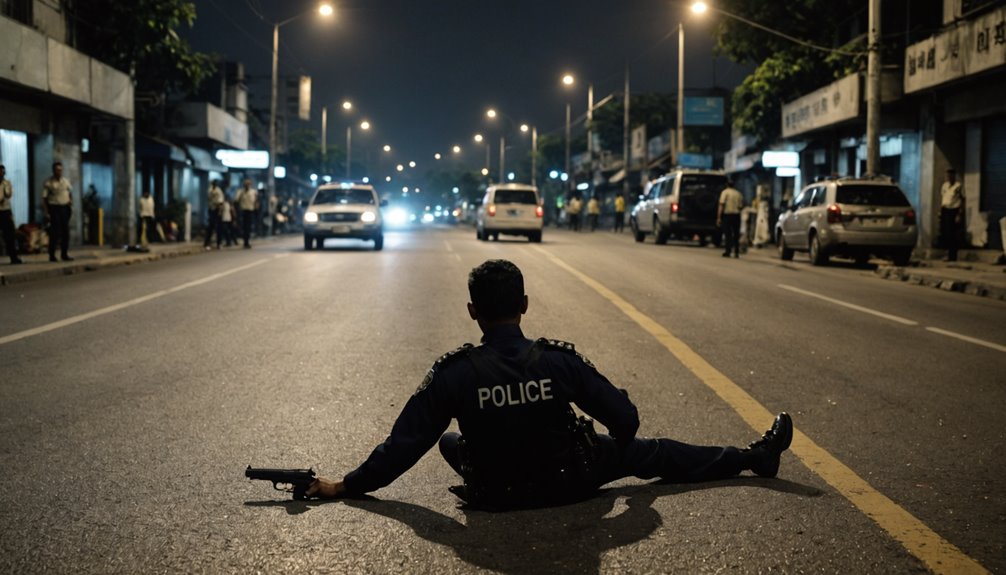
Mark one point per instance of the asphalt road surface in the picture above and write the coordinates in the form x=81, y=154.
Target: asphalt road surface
x=132, y=399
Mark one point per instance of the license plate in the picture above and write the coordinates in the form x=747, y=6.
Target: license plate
x=513, y=213
x=874, y=222
x=342, y=229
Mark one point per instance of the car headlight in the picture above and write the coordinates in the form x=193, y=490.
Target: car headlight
x=310, y=217
x=368, y=217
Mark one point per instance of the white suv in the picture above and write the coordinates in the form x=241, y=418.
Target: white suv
x=681, y=204
x=344, y=211
x=852, y=217
x=512, y=209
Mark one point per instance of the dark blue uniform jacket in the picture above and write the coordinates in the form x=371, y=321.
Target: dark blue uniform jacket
x=511, y=398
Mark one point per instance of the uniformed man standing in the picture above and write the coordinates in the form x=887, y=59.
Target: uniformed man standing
x=57, y=204
x=951, y=214
x=247, y=202
x=214, y=199
x=728, y=217
x=520, y=443
x=619, y=213
x=7, y=217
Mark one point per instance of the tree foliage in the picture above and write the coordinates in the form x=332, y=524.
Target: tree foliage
x=141, y=38
x=787, y=69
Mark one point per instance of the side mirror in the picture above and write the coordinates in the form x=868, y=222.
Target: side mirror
x=384, y=203
x=305, y=203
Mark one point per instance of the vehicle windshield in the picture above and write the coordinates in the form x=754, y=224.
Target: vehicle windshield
x=344, y=196
x=515, y=197
x=702, y=183
x=870, y=195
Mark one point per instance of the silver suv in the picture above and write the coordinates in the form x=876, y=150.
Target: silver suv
x=850, y=217
x=513, y=209
x=344, y=211
x=680, y=204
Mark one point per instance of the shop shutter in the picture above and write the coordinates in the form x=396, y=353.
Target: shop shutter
x=993, y=193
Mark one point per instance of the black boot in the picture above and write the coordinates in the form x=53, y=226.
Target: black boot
x=763, y=455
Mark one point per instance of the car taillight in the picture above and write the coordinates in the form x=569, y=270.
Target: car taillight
x=674, y=208
x=492, y=210
x=834, y=214
x=910, y=218
x=539, y=211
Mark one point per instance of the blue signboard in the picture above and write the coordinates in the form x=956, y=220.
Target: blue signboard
x=704, y=111
x=704, y=161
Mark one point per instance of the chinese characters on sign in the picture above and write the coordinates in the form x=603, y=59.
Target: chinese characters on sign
x=834, y=103
x=968, y=48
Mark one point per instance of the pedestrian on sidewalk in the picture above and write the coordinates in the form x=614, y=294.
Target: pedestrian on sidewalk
x=593, y=212
x=57, y=204
x=619, y=213
x=247, y=201
x=7, y=217
x=951, y=214
x=226, y=223
x=214, y=199
x=147, y=217
x=521, y=444
x=728, y=218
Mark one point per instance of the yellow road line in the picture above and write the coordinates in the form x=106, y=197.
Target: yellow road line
x=936, y=552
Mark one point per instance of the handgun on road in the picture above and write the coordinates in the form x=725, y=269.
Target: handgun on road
x=298, y=480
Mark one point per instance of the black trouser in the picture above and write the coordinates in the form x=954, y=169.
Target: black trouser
x=148, y=229
x=619, y=221
x=226, y=233
x=9, y=237
x=213, y=226
x=593, y=221
x=732, y=230
x=950, y=231
x=247, y=221
x=643, y=458
x=59, y=229
x=574, y=222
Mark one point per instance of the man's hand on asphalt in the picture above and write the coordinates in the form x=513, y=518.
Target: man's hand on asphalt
x=326, y=489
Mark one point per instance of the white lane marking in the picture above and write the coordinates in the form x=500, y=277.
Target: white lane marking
x=447, y=245
x=859, y=308
x=112, y=308
x=968, y=339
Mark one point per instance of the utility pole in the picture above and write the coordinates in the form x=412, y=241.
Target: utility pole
x=873, y=92
x=590, y=130
x=625, y=135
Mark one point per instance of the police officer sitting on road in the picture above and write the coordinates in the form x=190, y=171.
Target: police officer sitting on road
x=521, y=444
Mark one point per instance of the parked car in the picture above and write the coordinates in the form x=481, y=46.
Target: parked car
x=512, y=209
x=850, y=217
x=680, y=204
x=346, y=210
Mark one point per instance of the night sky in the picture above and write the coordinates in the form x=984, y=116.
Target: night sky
x=423, y=73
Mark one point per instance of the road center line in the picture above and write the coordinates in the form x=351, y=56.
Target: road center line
x=893, y=318
x=937, y=553
x=142, y=299
x=968, y=339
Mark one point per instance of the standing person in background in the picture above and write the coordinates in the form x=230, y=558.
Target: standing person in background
x=57, y=204
x=951, y=214
x=147, y=221
x=593, y=212
x=573, y=209
x=247, y=201
x=226, y=223
x=214, y=199
x=7, y=217
x=619, y=213
x=728, y=217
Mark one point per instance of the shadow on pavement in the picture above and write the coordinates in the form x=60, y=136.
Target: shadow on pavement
x=567, y=539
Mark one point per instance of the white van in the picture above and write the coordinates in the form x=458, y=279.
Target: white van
x=510, y=209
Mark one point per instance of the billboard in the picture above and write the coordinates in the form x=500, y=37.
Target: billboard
x=704, y=111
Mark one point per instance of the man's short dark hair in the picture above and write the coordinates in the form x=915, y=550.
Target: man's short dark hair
x=497, y=289
x=54, y=164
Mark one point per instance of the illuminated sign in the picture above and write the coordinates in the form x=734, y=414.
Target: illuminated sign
x=779, y=159
x=787, y=172
x=248, y=159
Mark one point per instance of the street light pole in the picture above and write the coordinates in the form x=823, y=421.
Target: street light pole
x=349, y=152
x=502, y=158
x=569, y=179
x=271, y=175
x=534, y=155
x=873, y=92
x=679, y=143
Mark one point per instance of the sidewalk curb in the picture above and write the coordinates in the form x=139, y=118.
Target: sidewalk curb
x=125, y=259
x=935, y=280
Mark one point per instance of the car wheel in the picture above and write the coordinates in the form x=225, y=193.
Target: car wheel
x=660, y=233
x=535, y=237
x=817, y=255
x=496, y=237
x=308, y=243
x=902, y=258
x=704, y=241
x=636, y=234
x=378, y=243
x=862, y=260
x=478, y=234
x=785, y=253
x=319, y=243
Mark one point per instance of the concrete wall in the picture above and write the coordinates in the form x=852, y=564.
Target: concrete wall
x=49, y=19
